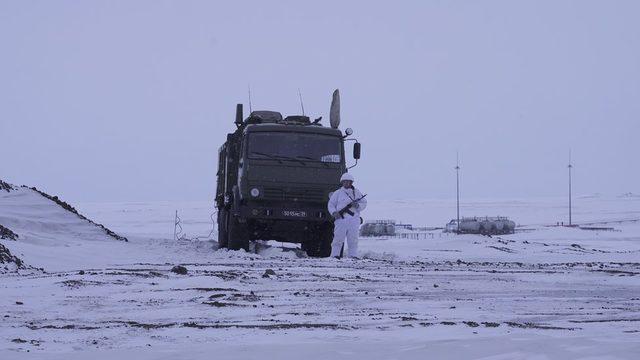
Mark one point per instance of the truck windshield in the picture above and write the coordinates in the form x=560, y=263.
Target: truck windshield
x=294, y=146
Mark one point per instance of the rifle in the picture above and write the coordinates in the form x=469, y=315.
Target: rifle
x=347, y=210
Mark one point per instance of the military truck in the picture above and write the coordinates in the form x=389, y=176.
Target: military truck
x=275, y=176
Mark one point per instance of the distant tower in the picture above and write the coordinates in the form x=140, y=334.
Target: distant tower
x=570, y=167
x=457, y=192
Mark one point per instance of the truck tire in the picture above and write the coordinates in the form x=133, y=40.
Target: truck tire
x=238, y=236
x=319, y=245
x=223, y=236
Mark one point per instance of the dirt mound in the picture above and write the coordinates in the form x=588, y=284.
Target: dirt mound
x=71, y=209
x=6, y=233
x=180, y=270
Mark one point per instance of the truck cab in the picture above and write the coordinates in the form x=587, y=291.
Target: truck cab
x=275, y=176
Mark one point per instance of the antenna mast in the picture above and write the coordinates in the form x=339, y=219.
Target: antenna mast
x=457, y=192
x=301, y=103
x=249, y=88
x=570, y=167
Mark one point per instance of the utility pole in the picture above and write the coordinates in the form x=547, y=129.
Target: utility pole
x=457, y=193
x=570, y=167
x=175, y=226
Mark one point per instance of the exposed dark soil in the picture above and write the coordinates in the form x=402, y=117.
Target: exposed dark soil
x=220, y=304
x=618, y=272
x=604, y=320
x=22, y=341
x=136, y=273
x=502, y=248
x=490, y=324
x=76, y=284
x=536, y=326
x=62, y=327
x=6, y=233
x=206, y=289
x=5, y=186
x=287, y=326
x=145, y=326
x=224, y=275
x=6, y=257
x=267, y=327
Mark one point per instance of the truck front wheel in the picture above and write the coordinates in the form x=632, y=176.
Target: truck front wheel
x=223, y=221
x=237, y=234
x=319, y=244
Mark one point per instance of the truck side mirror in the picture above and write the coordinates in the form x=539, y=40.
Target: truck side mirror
x=356, y=150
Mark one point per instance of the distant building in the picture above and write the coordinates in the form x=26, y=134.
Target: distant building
x=404, y=226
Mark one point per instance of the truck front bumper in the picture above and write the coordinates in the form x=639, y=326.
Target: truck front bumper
x=313, y=214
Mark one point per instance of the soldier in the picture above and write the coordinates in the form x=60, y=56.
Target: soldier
x=345, y=206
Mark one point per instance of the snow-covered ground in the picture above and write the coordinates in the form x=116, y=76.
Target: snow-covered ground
x=544, y=292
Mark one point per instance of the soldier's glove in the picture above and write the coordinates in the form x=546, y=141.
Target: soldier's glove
x=335, y=214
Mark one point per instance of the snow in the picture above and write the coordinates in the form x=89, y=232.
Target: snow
x=548, y=292
x=52, y=237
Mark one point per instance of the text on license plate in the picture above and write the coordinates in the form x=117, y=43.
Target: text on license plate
x=296, y=213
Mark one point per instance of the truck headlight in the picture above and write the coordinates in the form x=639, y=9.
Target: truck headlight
x=255, y=192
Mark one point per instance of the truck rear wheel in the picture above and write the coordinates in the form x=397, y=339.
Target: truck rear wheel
x=237, y=234
x=319, y=245
x=223, y=236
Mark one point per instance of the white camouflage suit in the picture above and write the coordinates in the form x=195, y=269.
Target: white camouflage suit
x=348, y=225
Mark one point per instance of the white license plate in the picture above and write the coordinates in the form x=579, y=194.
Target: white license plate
x=294, y=213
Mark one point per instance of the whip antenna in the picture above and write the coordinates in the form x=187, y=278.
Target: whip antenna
x=570, y=166
x=457, y=193
x=301, y=103
x=249, y=88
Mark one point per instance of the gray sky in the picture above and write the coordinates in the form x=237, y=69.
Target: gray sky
x=129, y=100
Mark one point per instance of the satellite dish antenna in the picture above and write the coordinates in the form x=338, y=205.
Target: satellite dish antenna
x=334, y=113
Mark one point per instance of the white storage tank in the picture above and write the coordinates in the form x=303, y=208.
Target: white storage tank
x=487, y=225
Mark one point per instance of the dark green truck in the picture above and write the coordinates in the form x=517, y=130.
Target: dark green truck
x=274, y=179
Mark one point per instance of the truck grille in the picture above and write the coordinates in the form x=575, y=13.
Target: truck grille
x=309, y=195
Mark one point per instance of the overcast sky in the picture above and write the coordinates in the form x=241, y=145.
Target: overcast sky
x=130, y=100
